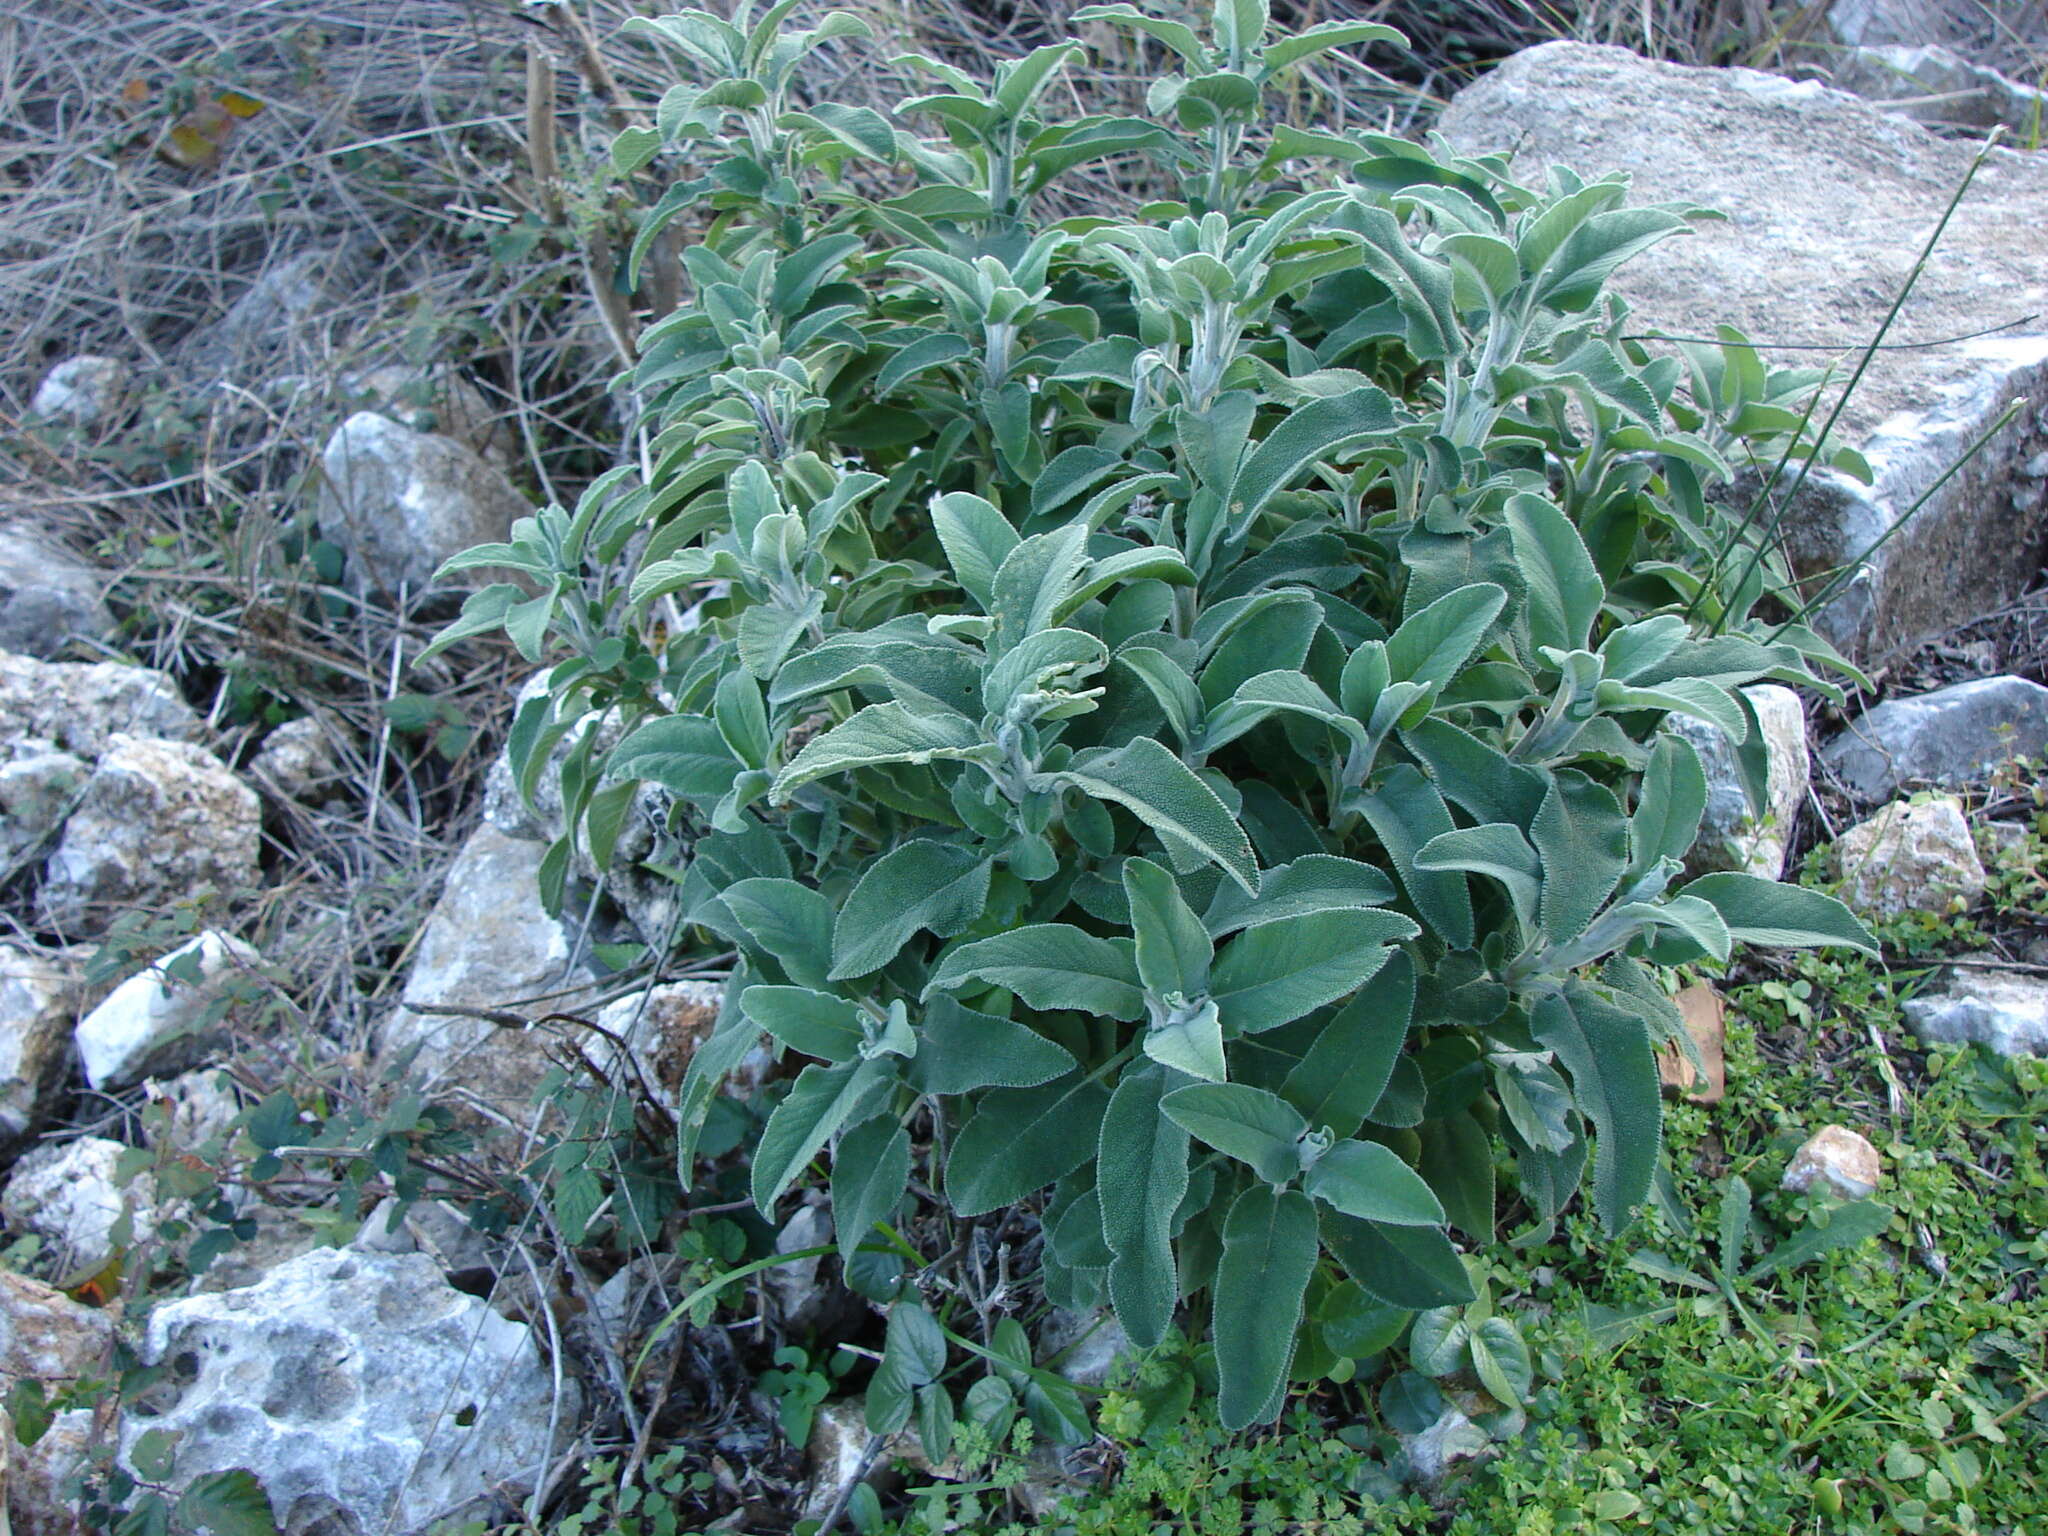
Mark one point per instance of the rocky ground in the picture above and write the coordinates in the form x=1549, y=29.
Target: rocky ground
x=315, y=1122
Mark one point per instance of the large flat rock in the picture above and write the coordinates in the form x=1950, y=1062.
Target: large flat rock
x=1829, y=201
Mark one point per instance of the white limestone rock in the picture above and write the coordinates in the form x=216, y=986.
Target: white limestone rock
x=400, y=502
x=83, y=391
x=1733, y=836
x=1953, y=736
x=45, y=1336
x=158, y=819
x=39, y=784
x=371, y=1395
x=660, y=1030
x=68, y=1193
x=1838, y=1158
x=77, y=706
x=298, y=761
x=488, y=943
x=1910, y=856
x=2004, y=1010
x=38, y=993
x=157, y=1021
x=433, y=400
x=1829, y=200
x=48, y=597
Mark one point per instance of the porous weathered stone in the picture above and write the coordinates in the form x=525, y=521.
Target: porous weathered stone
x=83, y=390
x=157, y=820
x=488, y=943
x=283, y=315
x=661, y=1029
x=438, y=400
x=298, y=760
x=645, y=899
x=48, y=597
x=38, y=993
x=2004, y=1010
x=161, y=1019
x=1734, y=835
x=48, y=1338
x=1936, y=86
x=1953, y=736
x=1838, y=1158
x=39, y=785
x=400, y=502
x=198, y=1108
x=76, y=706
x=432, y=1227
x=1829, y=201
x=1866, y=23
x=1084, y=1347
x=1909, y=857
x=372, y=1396
x=68, y=1194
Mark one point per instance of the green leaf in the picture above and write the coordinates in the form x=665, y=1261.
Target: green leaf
x=1033, y=579
x=1255, y=1127
x=1406, y=811
x=1143, y=1158
x=881, y=733
x=870, y=1171
x=1433, y=645
x=229, y=1503
x=1173, y=951
x=1310, y=41
x=1582, y=838
x=1759, y=911
x=1356, y=1324
x=788, y=922
x=1613, y=1069
x=1319, y=432
x=1847, y=1226
x=1498, y=851
x=977, y=540
x=1565, y=590
x=1670, y=800
x=1190, y=1040
x=1369, y=1181
x=1164, y=793
x=742, y=719
x=1277, y=972
x=1176, y=35
x=921, y=885
x=1050, y=965
x=814, y=1023
x=1457, y=1165
x=1342, y=1075
x=1269, y=1251
x=633, y=148
x=685, y=754
x=1571, y=279
x=1500, y=1359
x=1021, y=1139
x=823, y=1099
x=962, y=1051
x=1412, y=1267
x=913, y=1355
x=1316, y=882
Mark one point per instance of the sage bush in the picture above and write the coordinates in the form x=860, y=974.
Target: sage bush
x=1167, y=706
